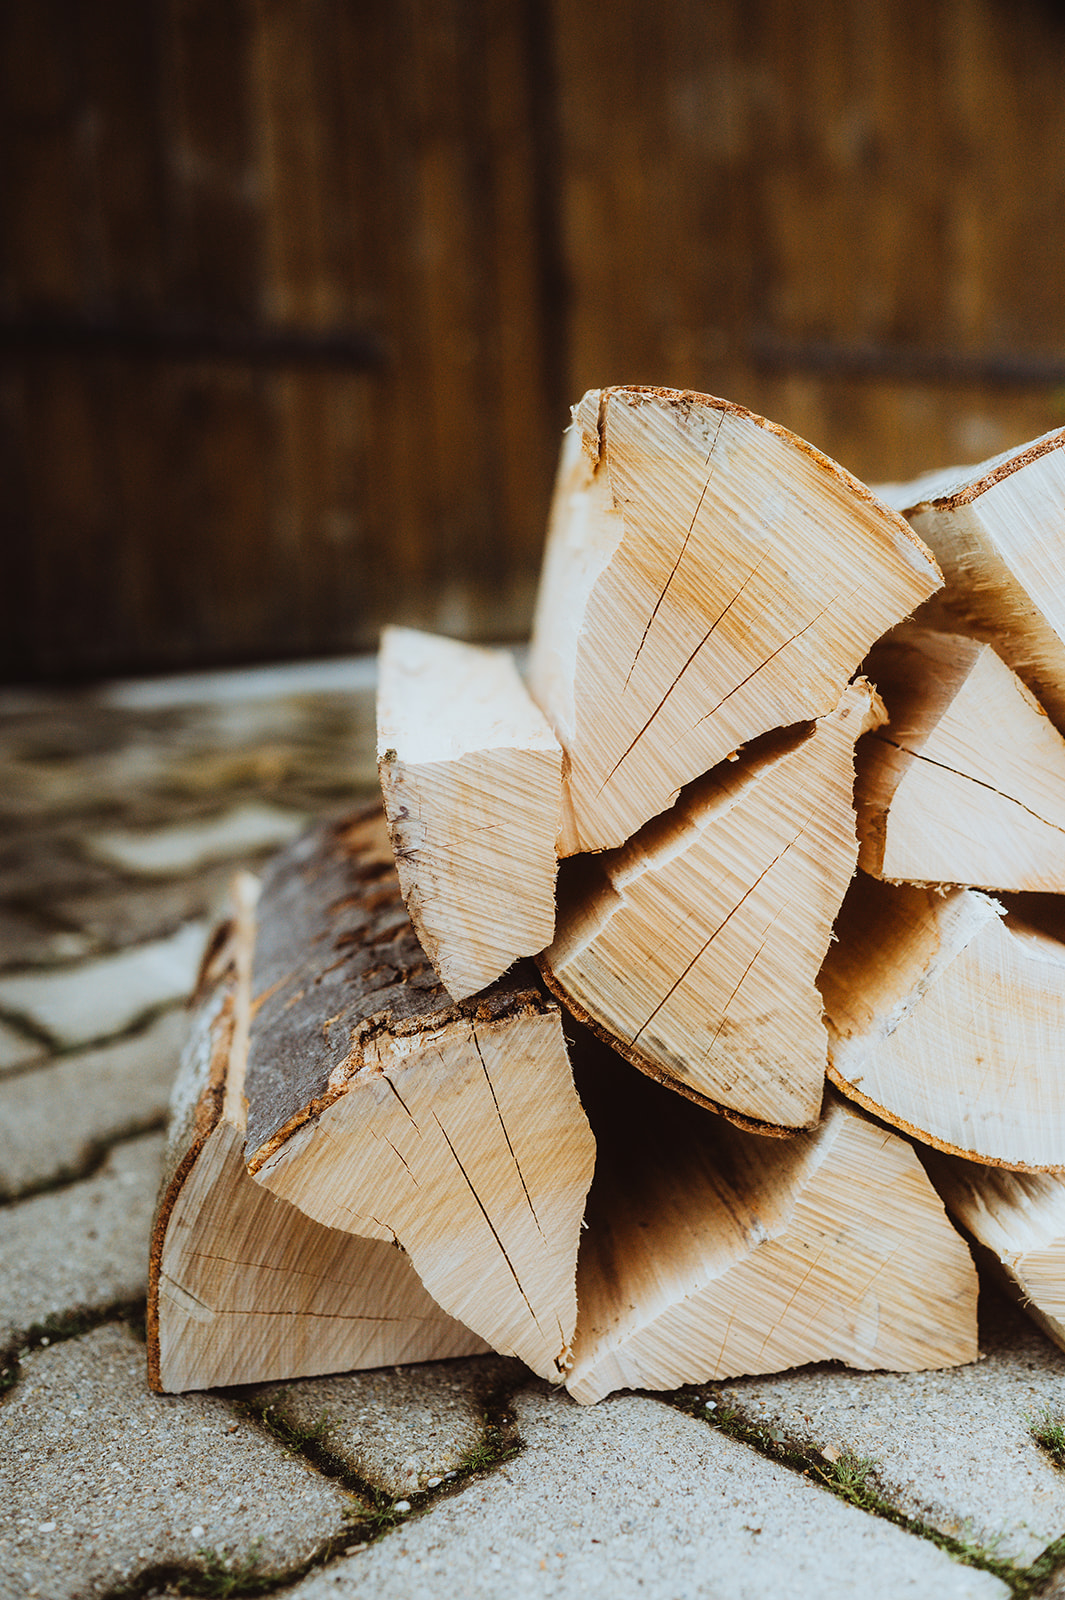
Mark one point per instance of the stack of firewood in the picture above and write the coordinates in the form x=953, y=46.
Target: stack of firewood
x=741, y=868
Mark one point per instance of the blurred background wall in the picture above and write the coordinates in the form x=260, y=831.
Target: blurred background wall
x=295, y=294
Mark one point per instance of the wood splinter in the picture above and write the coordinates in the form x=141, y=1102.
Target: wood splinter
x=381, y=1108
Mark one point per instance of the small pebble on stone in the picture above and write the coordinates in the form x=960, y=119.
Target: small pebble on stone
x=401, y=1505
x=431, y=1483
x=711, y=1405
x=46, y=1527
x=197, y=1532
x=830, y=1453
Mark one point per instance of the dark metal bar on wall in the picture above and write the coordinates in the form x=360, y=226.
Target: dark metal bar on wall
x=351, y=350
x=1001, y=369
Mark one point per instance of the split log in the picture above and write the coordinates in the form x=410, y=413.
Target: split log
x=708, y=577
x=711, y=1253
x=1019, y=1219
x=966, y=783
x=694, y=950
x=243, y=1287
x=471, y=775
x=946, y=1017
x=998, y=532
x=379, y=1107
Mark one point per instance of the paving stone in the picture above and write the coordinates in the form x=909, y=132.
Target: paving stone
x=28, y=940
x=19, y=1050
x=399, y=1426
x=130, y=913
x=168, y=852
x=82, y=1247
x=60, y=1115
x=952, y=1448
x=101, y=998
x=630, y=1496
x=104, y=1479
x=37, y=862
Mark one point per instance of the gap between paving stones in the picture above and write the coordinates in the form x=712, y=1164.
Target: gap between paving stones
x=853, y=1479
x=96, y=1154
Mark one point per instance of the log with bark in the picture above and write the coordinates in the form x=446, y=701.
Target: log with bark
x=243, y=1288
x=380, y=1107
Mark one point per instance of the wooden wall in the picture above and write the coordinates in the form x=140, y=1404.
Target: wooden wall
x=294, y=294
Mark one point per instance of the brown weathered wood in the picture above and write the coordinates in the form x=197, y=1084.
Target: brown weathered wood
x=946, y=1017
x=710, y=1252
x=243, y=1287
x=472, y=781
x=378, y=1106
x=694, y=949
x=708, y=577
x=966, y=783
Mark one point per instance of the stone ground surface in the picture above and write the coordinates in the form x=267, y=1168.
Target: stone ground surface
x=124, y=812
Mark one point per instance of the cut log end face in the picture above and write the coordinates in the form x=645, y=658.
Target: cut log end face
x=696, y=947
x=946, y=1017
x=710, y=1253
x=966, y=784
x=746, y=581
x=471, y=777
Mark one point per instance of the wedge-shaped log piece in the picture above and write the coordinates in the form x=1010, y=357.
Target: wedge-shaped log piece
x=694, y=949
x=946, y=1017
x=710, y=1252
x=379, y=1107
x=966, y=783
x=708, y=576
x=998, y=532
x=243, y=1287
x=472, y=781
x=1020, y=1218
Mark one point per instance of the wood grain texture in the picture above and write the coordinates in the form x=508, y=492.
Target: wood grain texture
x=381, y=1108
x=946, y=1017
x=710, y=1252
x=243, y=1287
x=708, y=577
x=694, y=949
x=472, y=781
x=966, y=783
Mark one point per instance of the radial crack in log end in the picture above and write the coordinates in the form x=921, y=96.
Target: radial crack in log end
x=695, y=948
x=243, y=1287
x=712, y=1253
x=966, y=783
x=454, y=1128
x=998, y=532
x=708, y=576
x=471, y=775
x=946, y=1016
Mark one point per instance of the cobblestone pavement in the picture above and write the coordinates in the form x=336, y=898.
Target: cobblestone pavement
x=124, y=812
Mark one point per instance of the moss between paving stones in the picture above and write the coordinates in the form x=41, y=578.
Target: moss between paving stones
x=853, y=1479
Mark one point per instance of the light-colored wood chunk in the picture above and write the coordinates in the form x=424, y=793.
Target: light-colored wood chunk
x=1020, y=1218
x=472, y=781
x=966, y=783
x=708, y=577
x=379, y=1107
x=694, y=949
x=711, y=1253
x=998, y=532
x=946, y=1017
x=243, y=1287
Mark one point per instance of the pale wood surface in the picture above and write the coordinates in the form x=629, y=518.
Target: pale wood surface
x=966, y=783
x=244, y=1288
x=946, y=1016
x=1020, y=1218
x=708, y=577
x=710, y=1252
x=471, y=775
x=454, y=1129
x=997, y=532
x=695, y=948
